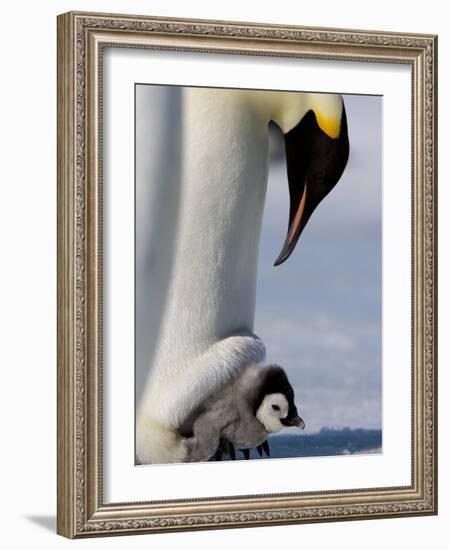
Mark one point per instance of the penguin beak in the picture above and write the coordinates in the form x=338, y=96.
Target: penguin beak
x=315, y=163
x=294, y=421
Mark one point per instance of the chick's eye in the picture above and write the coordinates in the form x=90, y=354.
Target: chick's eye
x=275, y=407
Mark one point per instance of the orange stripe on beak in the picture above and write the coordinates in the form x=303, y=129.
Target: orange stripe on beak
x=298, y=216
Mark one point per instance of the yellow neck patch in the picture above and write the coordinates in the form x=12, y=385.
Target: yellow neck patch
x=329, y=125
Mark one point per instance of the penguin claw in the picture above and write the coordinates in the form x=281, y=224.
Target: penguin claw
x=266, y=447
x=245, y=453
x=259, y=450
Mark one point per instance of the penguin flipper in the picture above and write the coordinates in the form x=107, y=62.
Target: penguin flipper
x=225, y=447
x=266, y=447
x=231, y=451
x=245, y=453
x=218, y=454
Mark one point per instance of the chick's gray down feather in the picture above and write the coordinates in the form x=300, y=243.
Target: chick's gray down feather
x=231, y=413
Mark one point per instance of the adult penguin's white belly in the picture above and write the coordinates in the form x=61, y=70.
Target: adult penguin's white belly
x=205, y=334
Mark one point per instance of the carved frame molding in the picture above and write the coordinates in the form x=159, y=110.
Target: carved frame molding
x=81, y=37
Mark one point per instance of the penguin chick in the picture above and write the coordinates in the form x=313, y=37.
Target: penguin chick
x=259, y=402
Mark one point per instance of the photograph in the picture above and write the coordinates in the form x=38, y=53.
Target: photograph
x=258, y=274
x=246, y=274
x=222, y=255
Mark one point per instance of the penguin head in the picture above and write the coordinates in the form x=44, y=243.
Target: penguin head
x=275, y=406
x=271, y=412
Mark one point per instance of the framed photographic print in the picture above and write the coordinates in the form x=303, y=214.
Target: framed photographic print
x=246, y=274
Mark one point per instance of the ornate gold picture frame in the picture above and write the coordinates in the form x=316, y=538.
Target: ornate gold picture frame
x=82, y=508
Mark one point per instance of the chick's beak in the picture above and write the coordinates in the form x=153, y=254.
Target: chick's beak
x=294, y=421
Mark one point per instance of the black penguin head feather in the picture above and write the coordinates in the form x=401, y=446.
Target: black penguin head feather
x=276, y=381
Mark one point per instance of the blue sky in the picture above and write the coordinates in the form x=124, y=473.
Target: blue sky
x=319, y=313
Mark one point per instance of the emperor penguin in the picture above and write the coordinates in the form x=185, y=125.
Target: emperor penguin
x=205, y=335
x=258, y=403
